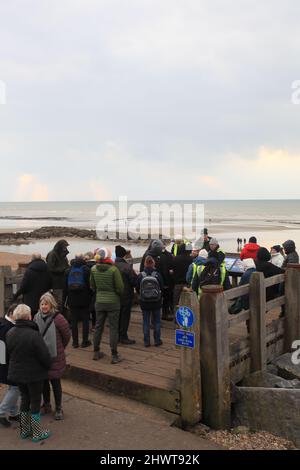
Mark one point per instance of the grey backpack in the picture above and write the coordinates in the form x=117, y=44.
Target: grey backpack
x=150, y=290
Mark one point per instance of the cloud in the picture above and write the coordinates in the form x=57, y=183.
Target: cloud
x=30, y=189
x=210, y=181
x=97, y=191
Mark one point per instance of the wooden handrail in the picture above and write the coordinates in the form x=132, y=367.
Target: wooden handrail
x=236, y=292
x=272, y=281
x=239, y=318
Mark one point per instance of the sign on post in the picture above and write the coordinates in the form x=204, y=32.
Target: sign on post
x=185, y=319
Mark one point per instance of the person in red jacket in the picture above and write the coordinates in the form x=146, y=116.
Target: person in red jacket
x=250, y=249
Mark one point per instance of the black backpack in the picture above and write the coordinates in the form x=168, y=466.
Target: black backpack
x=150, y=290
x=210, y=275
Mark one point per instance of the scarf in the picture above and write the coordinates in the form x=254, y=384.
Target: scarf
x=50, y=336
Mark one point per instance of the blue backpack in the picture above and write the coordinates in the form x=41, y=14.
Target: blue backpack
x=76, y=278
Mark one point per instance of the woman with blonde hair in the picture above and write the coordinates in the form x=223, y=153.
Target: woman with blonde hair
x=29, y=361
x=55, y=331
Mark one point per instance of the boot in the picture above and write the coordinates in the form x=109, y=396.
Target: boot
x=25, y=427
x=46, y=408
x=38, y=434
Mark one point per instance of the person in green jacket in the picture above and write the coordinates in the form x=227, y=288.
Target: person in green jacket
x=106, y=281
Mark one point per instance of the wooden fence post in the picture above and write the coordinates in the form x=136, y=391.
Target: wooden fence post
x=292, y=306
x=2, y=293
x=190, y=374
x=257, y=301
x=215, y=371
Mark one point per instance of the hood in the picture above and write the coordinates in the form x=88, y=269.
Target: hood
x=155, y=252
x=263, y=254
x=61, y=247
x=289, y=246
x=252, y=247
x=102, y=267
x=200, y=260
x=212, y=261
x=26, y=324
x=78, y=262
x=38, y=265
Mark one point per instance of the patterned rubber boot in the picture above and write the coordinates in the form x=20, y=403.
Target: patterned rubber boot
x=38, y=434
x=25, y=427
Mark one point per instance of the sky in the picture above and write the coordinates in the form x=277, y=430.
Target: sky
x=151, y=99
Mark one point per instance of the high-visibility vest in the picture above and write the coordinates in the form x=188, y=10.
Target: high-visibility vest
x=223, y=275
x=175, y=246
x=195, y=266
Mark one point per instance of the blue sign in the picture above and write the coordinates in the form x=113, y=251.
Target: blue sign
x=185, y=317
x=185, y=339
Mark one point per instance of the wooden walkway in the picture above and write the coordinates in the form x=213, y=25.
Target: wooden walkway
x=150, y=375
x=145, y=374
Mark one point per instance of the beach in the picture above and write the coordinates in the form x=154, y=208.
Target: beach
x=271, y=222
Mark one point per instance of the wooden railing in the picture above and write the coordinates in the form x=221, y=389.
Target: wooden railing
x=223, y=363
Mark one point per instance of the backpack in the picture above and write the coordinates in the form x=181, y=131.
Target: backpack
x=76, y=278
x=150, y=289
x=209, y=275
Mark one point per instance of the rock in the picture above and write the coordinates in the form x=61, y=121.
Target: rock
x=272, y=369
x=199, y=429
x=241, y=430
x=270, y=409
x=265, y=379
x=286, y=368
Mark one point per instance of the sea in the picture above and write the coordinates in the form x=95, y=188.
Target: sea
x=271, y=221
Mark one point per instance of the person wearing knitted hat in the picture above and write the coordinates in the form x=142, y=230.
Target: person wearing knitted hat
x=214, y=250
x=276, y=256
x=268, y=269
x=129, y=279
x=106, y=281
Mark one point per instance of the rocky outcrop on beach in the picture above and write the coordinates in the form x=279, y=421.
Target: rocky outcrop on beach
x=62, y=232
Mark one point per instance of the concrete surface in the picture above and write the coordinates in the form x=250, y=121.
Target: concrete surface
x=100, y=421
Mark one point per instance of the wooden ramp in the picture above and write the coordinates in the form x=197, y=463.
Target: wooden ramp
x=145, y=374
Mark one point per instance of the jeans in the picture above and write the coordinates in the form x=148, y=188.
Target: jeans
x=31, y=395
x=113, y=313
x=146, y=325
x=9, y=405
x=57, y=392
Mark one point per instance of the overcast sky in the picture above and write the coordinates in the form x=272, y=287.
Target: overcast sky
x=152, y=99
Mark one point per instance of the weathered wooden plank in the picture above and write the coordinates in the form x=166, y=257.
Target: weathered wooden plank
x=166, y=398
x=236, y=292
x=274, y=303
x=239, y=318
x=215, y=369
x=272, y=281
x=292, y=306
x=257, y=322
x=190, y=375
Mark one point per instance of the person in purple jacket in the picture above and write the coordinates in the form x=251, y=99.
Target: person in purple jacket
x=56, y=333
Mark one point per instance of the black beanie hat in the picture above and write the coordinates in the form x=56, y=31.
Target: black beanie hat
x=120, y=251
x=263, y=254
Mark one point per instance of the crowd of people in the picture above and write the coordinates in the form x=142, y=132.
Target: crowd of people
x=56, y=295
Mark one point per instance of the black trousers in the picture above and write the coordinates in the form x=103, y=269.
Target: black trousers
x=77, y=315
x=31, y=395
x=125, y=313
x=57, y=392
